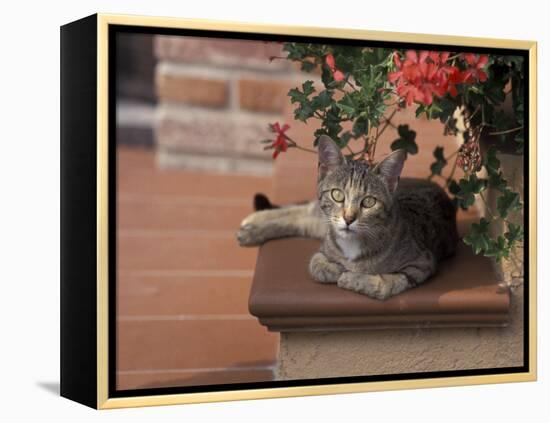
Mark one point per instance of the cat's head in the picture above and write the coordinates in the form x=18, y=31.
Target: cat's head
x=356, y=198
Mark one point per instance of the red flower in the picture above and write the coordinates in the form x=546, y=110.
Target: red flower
x=475, y=70
x=338, y=75
x=329, y=60
x=280, y=143
x=454, y=77
x=423, y=75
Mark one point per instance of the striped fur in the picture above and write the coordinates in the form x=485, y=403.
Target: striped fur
x=385, y=235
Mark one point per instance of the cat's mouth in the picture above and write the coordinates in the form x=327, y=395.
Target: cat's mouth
x=346, y=230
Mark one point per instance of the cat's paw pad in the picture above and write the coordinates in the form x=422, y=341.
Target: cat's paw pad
x=249, y=236
x=373, y=286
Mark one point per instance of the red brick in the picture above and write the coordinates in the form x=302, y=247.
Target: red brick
x=267, y=95
x=221, y=52
x=191, y=89
x=213, y=132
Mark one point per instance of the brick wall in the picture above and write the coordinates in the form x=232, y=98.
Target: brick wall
x=215, y=100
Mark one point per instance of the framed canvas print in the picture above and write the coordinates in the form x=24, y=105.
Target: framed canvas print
x=254, y=211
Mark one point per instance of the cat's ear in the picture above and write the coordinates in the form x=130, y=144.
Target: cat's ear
x=390, y=168
x=330, y=156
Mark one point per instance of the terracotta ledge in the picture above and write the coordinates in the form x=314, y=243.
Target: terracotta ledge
x=464, y=293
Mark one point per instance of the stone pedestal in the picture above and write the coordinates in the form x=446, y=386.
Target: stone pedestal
x=304, y=355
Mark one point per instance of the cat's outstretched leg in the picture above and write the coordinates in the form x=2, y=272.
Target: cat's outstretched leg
x=291, y=221
x=323, y=270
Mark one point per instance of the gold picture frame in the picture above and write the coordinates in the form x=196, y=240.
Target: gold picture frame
x=98, y=26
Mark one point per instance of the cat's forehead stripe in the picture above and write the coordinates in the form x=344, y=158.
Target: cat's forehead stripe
x=357, y=176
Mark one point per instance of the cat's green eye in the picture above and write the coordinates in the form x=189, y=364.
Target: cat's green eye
x=368, y=202
x=337, y=195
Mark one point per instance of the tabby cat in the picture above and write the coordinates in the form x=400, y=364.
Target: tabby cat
x=380, y=235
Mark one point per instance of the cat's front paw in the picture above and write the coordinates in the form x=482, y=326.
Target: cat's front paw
x=370, y=285
x=323, y=270
x=249, y=236
x=374, y=286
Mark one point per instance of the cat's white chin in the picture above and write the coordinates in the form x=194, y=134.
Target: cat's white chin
x=346, y=232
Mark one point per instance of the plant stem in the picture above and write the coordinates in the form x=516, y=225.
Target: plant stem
x=388, y=122
x=351, y=85
x=506, y=131
x=450, y=177
x=374, y=143
x=350, y=150
x=272, y=58
x=473, y=114
x=296, y=146
x=487, y=208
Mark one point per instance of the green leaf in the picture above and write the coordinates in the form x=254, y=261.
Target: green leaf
x=508, y=202
x=331, y=122
x=514, y=233
x=445, y=110
x=343, y=140
x=478, y=237
x=305, y=109
x=326, y=76
x=473, y=184
x=498, y=249
x=490, y=161
x=454, y=188
x=360, y=127
x=304, y=112
x=307, y=66
x=322, y=101
x=297, y=96
x=497, y=181
x=406, y=140
x=466, y=189
x=440, y=161
x=308, y=88
x=347, y=105
x=492, y=165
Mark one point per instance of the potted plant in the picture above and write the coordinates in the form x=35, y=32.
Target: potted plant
x=478, y=98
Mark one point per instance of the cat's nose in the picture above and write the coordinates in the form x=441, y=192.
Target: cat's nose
x=349, y=219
